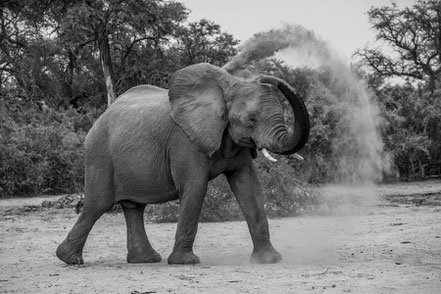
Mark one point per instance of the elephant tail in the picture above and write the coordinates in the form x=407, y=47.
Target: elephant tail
x=79, y=205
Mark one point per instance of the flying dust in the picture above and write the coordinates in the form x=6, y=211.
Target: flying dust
x=358, y=146
x=357, y=149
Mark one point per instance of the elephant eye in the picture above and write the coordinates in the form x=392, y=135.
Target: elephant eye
x=252, y=120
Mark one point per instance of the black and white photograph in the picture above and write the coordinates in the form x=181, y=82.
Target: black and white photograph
x=220, y=146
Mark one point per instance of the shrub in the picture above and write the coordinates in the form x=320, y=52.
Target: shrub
x=284, y=196
x=219, y=205
x=40, y=153
x=284, y=193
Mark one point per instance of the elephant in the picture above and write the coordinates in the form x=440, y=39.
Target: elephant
x=154, y=145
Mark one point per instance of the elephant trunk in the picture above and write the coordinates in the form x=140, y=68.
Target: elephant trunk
x=290, y=142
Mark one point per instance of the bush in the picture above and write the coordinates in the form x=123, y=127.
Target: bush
x=40, y=152
x=219, y=205
x=41, y=159
x=412, y=130
x=284, y=196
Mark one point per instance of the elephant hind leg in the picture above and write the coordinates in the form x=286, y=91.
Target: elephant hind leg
x=71, y=249
x=98, y=200
x=138, y=246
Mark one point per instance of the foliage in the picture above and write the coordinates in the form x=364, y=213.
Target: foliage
x=56, y=51
x=203, y=41
x=412, y=111
x=219, y=205
x=284, y=196
x=413, y=35
x=40, y=151
x=411, y=130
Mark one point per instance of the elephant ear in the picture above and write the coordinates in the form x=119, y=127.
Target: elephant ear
x=198, y=105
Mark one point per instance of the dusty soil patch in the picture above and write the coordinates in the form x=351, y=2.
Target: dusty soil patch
x=390, y=245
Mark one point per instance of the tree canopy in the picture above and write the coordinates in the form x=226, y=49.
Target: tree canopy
x=413, y=35
x=70, y=53
x=411, y=111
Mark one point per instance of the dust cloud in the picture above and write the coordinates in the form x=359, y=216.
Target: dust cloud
x=358, y=148
x=358, y=145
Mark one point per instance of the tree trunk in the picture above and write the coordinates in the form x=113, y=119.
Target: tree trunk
x=69, y=74
x=106, y=63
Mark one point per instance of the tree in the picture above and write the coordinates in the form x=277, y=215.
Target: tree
x=32, y=62
x=411, y=112
x=152, y=60
x=414, y=37
x=71, y=53
x=107, y=23
x=27, y=62
x=203, y=41
x=405, y=112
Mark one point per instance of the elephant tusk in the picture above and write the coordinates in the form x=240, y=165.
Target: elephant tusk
x=268, y=156
x=298, y=157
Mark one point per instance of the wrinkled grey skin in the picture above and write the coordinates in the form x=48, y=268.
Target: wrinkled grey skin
x=154, y=145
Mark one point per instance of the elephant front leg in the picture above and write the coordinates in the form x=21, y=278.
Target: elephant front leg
x=246, y=187
x=191, y=205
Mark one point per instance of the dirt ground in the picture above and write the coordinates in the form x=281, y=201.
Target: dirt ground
x=357, y=243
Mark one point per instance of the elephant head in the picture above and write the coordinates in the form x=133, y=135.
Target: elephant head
x=206, y=100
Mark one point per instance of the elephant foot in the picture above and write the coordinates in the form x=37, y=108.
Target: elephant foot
x=150, y=256
x=69, y=254
x=185, y=257
x=265, y=254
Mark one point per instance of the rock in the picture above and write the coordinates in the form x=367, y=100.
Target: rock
x=58, y=205
x=47, y=204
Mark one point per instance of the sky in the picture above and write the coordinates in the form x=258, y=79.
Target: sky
x=343, y=24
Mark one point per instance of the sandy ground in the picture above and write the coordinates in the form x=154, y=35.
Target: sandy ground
x=357, y=246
